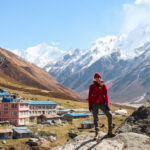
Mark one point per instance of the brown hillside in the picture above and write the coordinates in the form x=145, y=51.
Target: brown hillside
x=21, y=72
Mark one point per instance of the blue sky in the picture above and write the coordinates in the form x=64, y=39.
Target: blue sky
x=62, y=23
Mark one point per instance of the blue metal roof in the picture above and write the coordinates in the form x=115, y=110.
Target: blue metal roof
x=2, y=94
x=77, y=114
x=87, y=122
x=40, y=102
x=3, y=91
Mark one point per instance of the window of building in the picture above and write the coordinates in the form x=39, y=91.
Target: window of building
x=21, y=120
x=5, y=108
x=14, y=105
x=5, y=112
x=39, y=112
x=5, y=105
x=26, y=105
x=21, y=105
x=15, y=113
x=11, y=113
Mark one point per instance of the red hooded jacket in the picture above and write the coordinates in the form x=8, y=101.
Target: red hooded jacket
x=98, y=94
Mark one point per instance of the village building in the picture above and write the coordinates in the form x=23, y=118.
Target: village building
x=48, y=118
x=87, y=124
x=6, y=134
x=67, y=117
x=22, y=132
x=61, y=112
x=16, y=113
x=76, y=115
x=70, y=116
x=37, y=108
x=3, y=93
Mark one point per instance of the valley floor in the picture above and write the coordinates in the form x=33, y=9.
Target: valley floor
x=61, y=130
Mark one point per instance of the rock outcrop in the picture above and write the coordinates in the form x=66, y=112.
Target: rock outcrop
x=133, y=134
x=138, y=122
x=123, y=141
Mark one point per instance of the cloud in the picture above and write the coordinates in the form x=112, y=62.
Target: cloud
x=135, y=26
x=40, y=54
x=139, y=2
x=135, y=16
x=55, y=43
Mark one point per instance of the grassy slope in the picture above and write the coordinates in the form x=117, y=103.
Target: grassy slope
x=21, y=75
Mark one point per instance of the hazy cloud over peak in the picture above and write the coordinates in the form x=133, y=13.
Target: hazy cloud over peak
x=135, y=16
x=40, y=54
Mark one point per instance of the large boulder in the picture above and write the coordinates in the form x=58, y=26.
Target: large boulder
x=128, y=140
x=138, y=122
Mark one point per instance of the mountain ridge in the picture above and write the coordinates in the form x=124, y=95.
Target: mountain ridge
x=25, y=73
x=116, y=71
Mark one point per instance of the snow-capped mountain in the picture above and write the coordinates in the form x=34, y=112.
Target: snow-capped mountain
x=127, y=79
x=112, y=56
x=134, y=84
x=127, y=45
x=117, y=58
x=40, y=54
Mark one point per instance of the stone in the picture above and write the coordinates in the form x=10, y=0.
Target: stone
x=52, y=138
x=3, y=142
x=72, y=134
x=42, y=139
x=31, y=143
x=138, y=121
x=128, y=140
x=33, y=140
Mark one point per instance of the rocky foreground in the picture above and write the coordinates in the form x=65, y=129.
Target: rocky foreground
x=133, y=134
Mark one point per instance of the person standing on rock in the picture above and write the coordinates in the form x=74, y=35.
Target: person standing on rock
x=98, y=99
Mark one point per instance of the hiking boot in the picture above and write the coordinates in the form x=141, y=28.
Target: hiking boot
x=110, y=133
x=96, y=135
x=113, y=126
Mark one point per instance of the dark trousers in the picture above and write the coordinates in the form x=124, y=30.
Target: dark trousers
x=95, y=108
